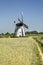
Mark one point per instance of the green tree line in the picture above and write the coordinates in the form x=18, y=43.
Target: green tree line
x=12, y=35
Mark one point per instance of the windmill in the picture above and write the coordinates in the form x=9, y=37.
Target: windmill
x=21, y=18
x=20, y=27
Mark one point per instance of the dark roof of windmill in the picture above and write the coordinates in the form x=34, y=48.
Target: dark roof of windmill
x=21, y=24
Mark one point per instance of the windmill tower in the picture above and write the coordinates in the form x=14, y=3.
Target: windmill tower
x=20, y=28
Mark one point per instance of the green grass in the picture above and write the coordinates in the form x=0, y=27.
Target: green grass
x=40, y=42
x=19, y=51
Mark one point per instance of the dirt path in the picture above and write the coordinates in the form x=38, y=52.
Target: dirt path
x=40, y=52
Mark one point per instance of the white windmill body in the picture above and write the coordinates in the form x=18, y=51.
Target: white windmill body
x=20, y=31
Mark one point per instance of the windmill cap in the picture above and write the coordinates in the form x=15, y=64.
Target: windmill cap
x=21, y=24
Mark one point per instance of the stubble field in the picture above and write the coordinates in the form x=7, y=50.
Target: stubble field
x=19, y=51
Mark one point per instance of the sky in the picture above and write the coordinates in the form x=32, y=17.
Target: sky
x=10, y=11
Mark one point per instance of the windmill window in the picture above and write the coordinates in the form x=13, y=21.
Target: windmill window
x=20, y=32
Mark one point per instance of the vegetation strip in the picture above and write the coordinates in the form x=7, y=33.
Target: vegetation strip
x=40, y=44
x=40, y=52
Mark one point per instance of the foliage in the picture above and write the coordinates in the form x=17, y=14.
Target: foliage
x=7, y=35
x=1, y=36
x=40, y=32
x=12, y=35
x=39, y=42
x=32, y=32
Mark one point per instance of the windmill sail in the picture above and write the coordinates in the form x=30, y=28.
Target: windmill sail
x=21, y=20
x=22, y=16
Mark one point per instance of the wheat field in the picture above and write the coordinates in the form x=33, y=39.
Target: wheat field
x=19, y=51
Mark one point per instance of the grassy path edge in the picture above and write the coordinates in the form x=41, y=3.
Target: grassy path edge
x=40, y=52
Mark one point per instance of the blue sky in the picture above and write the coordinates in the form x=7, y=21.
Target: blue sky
x=10, y=10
